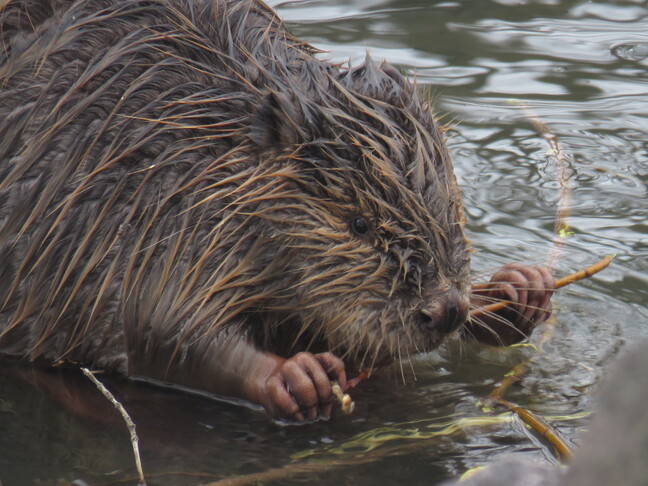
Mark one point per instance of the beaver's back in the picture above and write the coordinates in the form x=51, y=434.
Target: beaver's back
x=105, y=107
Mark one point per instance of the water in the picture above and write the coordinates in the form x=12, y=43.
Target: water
x=582, y=67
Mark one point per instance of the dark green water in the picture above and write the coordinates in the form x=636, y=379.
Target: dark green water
x=583, y=68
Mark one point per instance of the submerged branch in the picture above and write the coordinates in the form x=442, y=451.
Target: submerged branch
x=561, y=231
x=365, y=448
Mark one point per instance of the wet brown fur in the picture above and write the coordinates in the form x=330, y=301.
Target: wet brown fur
x=171, y=170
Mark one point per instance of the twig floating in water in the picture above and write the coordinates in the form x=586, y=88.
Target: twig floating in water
x=129, y=422
x=561, y=157
x=541, y=427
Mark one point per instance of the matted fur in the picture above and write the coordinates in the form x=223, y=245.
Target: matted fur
x=171, y=170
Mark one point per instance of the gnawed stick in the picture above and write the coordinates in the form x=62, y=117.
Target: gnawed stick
x=347, y=404
x=569, y=279
x=129, y=422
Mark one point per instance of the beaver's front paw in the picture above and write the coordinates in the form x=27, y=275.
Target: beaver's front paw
x=528, y=288
x=300, y=387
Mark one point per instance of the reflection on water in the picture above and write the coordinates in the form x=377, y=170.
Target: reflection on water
x=582, y=67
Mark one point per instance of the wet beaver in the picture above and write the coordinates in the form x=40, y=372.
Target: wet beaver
x=187, y=193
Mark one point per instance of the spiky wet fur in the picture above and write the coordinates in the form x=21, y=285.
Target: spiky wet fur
x=171, y=170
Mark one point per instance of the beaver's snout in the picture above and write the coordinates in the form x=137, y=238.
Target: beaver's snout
x=445, y=311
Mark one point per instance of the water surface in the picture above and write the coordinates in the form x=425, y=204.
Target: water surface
x=582, y=67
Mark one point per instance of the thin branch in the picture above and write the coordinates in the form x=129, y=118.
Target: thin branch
x=129, y=422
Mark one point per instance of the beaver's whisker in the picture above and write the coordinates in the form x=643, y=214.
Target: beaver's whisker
x=489, y=300
x=482, y=325
x=411, y=365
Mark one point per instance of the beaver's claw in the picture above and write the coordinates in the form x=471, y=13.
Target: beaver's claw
x=300, y=387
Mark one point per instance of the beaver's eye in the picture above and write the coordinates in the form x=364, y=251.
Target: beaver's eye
x=360, y=225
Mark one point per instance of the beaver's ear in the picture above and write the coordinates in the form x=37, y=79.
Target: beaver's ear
x=277, y=124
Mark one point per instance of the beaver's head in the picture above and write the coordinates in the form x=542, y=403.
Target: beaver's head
x=366, y=232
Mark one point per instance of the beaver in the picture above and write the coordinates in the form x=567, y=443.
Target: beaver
x=189, y=193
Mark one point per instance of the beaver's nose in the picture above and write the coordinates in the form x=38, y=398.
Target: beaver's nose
x=445, y=311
